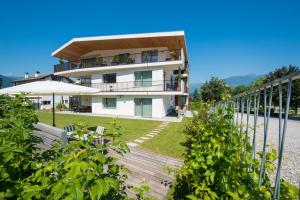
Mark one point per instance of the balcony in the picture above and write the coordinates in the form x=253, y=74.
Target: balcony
x=122, y=59
x=139, y=86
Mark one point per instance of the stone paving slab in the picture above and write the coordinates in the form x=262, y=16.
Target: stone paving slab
x=139, y=141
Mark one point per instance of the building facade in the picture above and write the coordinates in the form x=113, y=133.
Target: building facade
x=143, y=75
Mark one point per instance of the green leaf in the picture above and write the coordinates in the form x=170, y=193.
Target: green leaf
x=97, y=189
x=192, y=197
x=77, y=191
x=58, y=190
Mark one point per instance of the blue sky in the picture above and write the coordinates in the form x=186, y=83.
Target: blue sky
x=224, y=38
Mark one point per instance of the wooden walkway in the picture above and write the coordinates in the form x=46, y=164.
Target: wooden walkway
x=152, y=167
x=141, y=164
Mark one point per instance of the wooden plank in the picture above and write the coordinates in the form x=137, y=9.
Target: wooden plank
x=143, y=164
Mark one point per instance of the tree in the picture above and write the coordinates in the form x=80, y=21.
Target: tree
x=240, y=89
x=257, y=83
x=196, y=95
x=281, y=72
x=214, y=90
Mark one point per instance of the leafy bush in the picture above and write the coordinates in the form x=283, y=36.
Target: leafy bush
x=18, y=153
x=218, y=161
x=61, y=106
x=80, y=170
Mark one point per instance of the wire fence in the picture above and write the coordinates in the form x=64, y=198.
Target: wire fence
x=261, y=102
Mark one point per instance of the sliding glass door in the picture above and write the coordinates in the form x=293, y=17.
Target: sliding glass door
x=143, y=78
x=143, y=107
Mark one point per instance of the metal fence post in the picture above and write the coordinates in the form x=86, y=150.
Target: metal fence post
x=242, y=113
x=282, y=139
x=266, y=126
x=248, y=117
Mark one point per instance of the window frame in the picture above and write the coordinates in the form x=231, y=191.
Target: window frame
x=105, y=103
x=105, y=80
x=142, y=82
x=149, y=56
x=47, y=102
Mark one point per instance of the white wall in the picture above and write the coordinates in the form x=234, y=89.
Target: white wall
x=57, y=99
x=125, y=105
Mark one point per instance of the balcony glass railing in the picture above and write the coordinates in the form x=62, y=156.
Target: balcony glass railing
x=139, y=86
x=121, y=59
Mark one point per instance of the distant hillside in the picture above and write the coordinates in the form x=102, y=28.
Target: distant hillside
x=241, y=80
x=6, y=80
x=231, y=81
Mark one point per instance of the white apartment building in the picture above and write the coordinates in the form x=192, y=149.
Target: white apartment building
x=143, y=75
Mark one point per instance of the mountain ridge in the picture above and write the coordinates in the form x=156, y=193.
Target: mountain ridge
x=7, y=80
x=232, y=81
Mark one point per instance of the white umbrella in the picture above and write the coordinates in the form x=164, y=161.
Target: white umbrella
x=49, y=88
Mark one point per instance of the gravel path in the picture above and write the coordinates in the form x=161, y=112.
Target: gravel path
x=291, y=160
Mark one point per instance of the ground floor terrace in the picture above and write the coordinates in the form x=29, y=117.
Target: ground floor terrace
x=138, y=106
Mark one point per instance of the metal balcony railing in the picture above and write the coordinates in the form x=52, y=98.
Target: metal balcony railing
x=121, y=59
x=260, y=101
x=139, y=86
x=65, y=66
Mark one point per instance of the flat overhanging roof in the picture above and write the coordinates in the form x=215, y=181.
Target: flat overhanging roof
x=77, y=47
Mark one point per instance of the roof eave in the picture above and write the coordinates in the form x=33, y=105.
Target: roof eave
x=117, y=37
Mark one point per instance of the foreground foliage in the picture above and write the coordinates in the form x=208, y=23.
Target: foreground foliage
x=218, y=161
x=18, y=154
x=80, y=170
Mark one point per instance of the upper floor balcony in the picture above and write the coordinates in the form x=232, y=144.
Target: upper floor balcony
x=150, y=56
x=142, y=86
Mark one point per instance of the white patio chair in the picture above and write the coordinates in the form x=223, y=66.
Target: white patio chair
x=69, y=129
x=100, y=131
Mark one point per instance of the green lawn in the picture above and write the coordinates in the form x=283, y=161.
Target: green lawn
x=168, y=141
x=132, y=128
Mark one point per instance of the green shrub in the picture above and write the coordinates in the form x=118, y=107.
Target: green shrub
x=218, y=162
x=61, y=106
x=80, y=170
x=18, y=153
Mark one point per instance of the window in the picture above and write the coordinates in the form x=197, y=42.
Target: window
x=143, y=78
x=66, y=101
x=110, y=103
x=149, y=56
x=46, y=102
x=109, y=78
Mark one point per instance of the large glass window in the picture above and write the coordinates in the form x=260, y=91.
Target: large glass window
x=109, y=78
x=110, y=103
x=143, y=78
x=150, y=56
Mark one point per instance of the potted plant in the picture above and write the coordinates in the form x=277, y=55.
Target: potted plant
x=61, y=106
x=115, y=60
x=99, y=60
x=130, y=60
x=173, y=55
x=61, y=61
x=178, y=82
